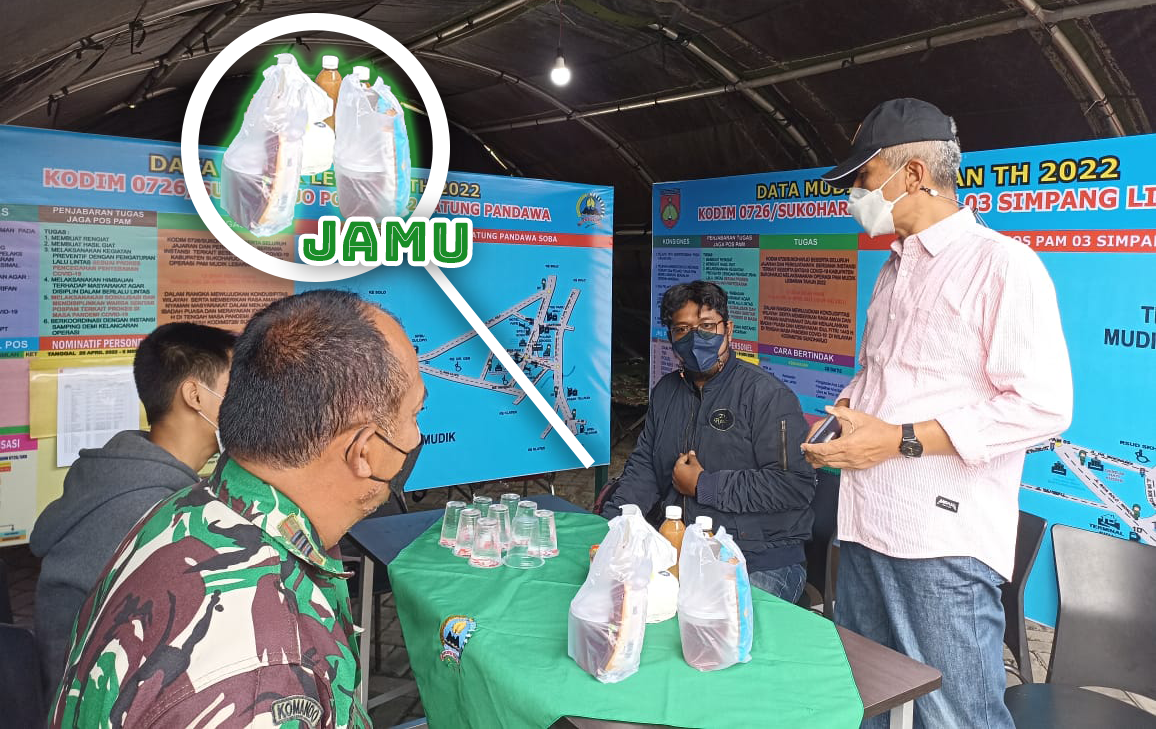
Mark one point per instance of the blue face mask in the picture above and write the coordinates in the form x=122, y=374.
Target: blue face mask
x=699, y=352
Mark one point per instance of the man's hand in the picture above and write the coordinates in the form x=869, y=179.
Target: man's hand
x=686, y=472
x=842, y=403
x=866, y=441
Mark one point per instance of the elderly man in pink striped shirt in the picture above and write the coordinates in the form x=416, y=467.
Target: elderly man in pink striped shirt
x=962, y=366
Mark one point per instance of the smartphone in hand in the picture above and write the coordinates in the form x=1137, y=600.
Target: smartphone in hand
x=829, y=430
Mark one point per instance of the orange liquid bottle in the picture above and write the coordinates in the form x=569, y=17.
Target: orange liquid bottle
x=674, y=530
x=330, y=81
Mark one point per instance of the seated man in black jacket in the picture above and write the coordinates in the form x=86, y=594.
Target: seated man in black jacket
x=722, y=439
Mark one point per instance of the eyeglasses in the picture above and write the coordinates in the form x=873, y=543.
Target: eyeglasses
x=704, y=328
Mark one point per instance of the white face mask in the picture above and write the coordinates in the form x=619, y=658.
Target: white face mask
x=216, y=428
x=871, y=210
x=216, y=431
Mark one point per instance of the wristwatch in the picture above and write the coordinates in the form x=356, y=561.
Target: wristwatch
x=910, y=446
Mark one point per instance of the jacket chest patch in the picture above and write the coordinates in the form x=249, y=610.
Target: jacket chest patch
x=722, y=419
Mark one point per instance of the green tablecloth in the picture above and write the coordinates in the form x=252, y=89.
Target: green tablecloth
x=514, y=670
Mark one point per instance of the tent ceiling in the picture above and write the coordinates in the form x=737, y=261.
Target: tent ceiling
x=75, y=65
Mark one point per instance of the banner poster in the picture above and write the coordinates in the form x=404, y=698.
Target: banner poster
x=99, y=244
x=799, y=273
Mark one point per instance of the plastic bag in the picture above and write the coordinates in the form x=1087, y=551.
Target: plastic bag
x=371, y=151
x=262, y=166
x=318, y=151
x=715, y=616
x=608, y=615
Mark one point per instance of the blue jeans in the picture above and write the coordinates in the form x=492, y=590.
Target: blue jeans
x=945, y=612
x=784, y=582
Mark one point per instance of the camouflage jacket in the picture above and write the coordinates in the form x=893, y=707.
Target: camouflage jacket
x=221, y=609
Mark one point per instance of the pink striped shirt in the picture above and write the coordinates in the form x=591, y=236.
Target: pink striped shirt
x=962, y=328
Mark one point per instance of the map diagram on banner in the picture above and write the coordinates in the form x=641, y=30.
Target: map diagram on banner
x=1081, y=475
x=539, y=281
x=547, y=306
x=541, y=335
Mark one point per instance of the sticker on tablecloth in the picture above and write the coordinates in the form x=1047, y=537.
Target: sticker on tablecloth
x=456, y=630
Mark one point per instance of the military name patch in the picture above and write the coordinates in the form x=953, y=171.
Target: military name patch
x=456, y=630
x=722, y=419
x=297, y=708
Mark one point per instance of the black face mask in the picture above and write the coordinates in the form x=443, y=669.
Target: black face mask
x=397, y=482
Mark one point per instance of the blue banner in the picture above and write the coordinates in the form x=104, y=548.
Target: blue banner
x=99, y=244
x=1088, y=209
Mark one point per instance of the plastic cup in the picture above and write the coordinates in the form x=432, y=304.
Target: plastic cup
x=487, y=551
x=546, y=544
x=450, y=522
x=482, y=504
x=525, y=508
x=511, y=502
x=502, y=513
x=467, y=527
x=524, y=532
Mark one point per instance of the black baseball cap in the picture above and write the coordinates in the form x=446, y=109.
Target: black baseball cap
x=898, y=121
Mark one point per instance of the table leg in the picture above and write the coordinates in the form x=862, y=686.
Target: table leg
x=903, y=716
x=366, y=627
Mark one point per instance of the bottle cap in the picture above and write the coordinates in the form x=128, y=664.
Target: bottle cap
x=329, y=62
x=630, y=509
x=674, y=513
x=705, y=522
x=286, y=59
x=361, y=73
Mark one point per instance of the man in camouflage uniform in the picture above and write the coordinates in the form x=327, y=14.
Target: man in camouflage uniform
x=227, y=605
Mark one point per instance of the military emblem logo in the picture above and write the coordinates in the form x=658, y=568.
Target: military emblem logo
x=670, y=207
x=722, y=419
x=456, y=630
x=591, y=209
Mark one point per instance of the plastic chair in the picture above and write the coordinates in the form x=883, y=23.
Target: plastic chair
x=821, y=561
x=1029, y=536
x=1105, y=636
x=21, y=694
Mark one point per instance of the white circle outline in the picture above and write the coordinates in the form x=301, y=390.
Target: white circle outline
x=289, y=25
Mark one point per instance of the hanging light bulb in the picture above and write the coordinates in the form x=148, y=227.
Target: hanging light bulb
x=560, y=75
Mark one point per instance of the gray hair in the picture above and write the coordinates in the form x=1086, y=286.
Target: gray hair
x=942, y=158
x=306, y=368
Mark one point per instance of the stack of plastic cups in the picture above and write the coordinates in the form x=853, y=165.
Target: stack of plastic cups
x=467, y=528
x=525, y=508
x=450, y=523
x=487, y=550
x=546, y=544
x=511, y=502
x=502, y=513
x=522, y=536
x=482, y=504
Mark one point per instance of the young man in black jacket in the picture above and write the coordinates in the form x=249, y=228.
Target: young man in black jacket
x=722, y=439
